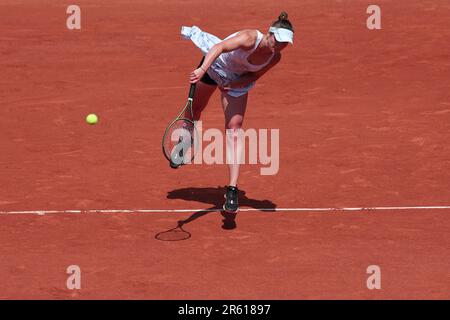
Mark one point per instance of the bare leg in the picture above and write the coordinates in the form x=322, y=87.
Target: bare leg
x=234, y=109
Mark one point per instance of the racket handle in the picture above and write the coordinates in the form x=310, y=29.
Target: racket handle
x=192, y=91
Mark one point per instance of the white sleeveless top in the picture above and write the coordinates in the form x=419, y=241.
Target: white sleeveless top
x=228, y=66
x=236, y=61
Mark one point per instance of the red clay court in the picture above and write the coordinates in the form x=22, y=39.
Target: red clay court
x=363, y=118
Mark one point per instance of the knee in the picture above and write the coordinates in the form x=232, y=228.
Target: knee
x=234, y=125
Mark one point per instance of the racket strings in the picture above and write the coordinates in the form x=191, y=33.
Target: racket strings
x=179, y=140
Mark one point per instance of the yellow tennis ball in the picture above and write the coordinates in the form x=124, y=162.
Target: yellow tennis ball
x=92, y=119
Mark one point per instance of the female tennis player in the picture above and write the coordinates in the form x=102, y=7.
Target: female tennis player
x=234, y=65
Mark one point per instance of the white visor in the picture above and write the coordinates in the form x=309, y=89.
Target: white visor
x=283, y=35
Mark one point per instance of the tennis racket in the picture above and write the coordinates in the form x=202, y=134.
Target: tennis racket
x=178, y=139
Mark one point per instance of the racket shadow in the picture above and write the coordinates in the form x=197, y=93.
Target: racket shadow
x=178, y=233
x=174, y=234
x=214, y=197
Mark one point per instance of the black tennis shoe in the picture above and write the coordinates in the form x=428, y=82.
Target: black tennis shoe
x=231, y=200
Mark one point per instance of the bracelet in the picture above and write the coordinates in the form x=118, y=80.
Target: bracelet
x=202, y=69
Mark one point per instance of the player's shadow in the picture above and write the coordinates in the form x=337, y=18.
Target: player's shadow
x=214, y=197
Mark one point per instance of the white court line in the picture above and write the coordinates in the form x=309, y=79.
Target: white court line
x=110, y=211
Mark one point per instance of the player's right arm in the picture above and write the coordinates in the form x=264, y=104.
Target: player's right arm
x=243, y=40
